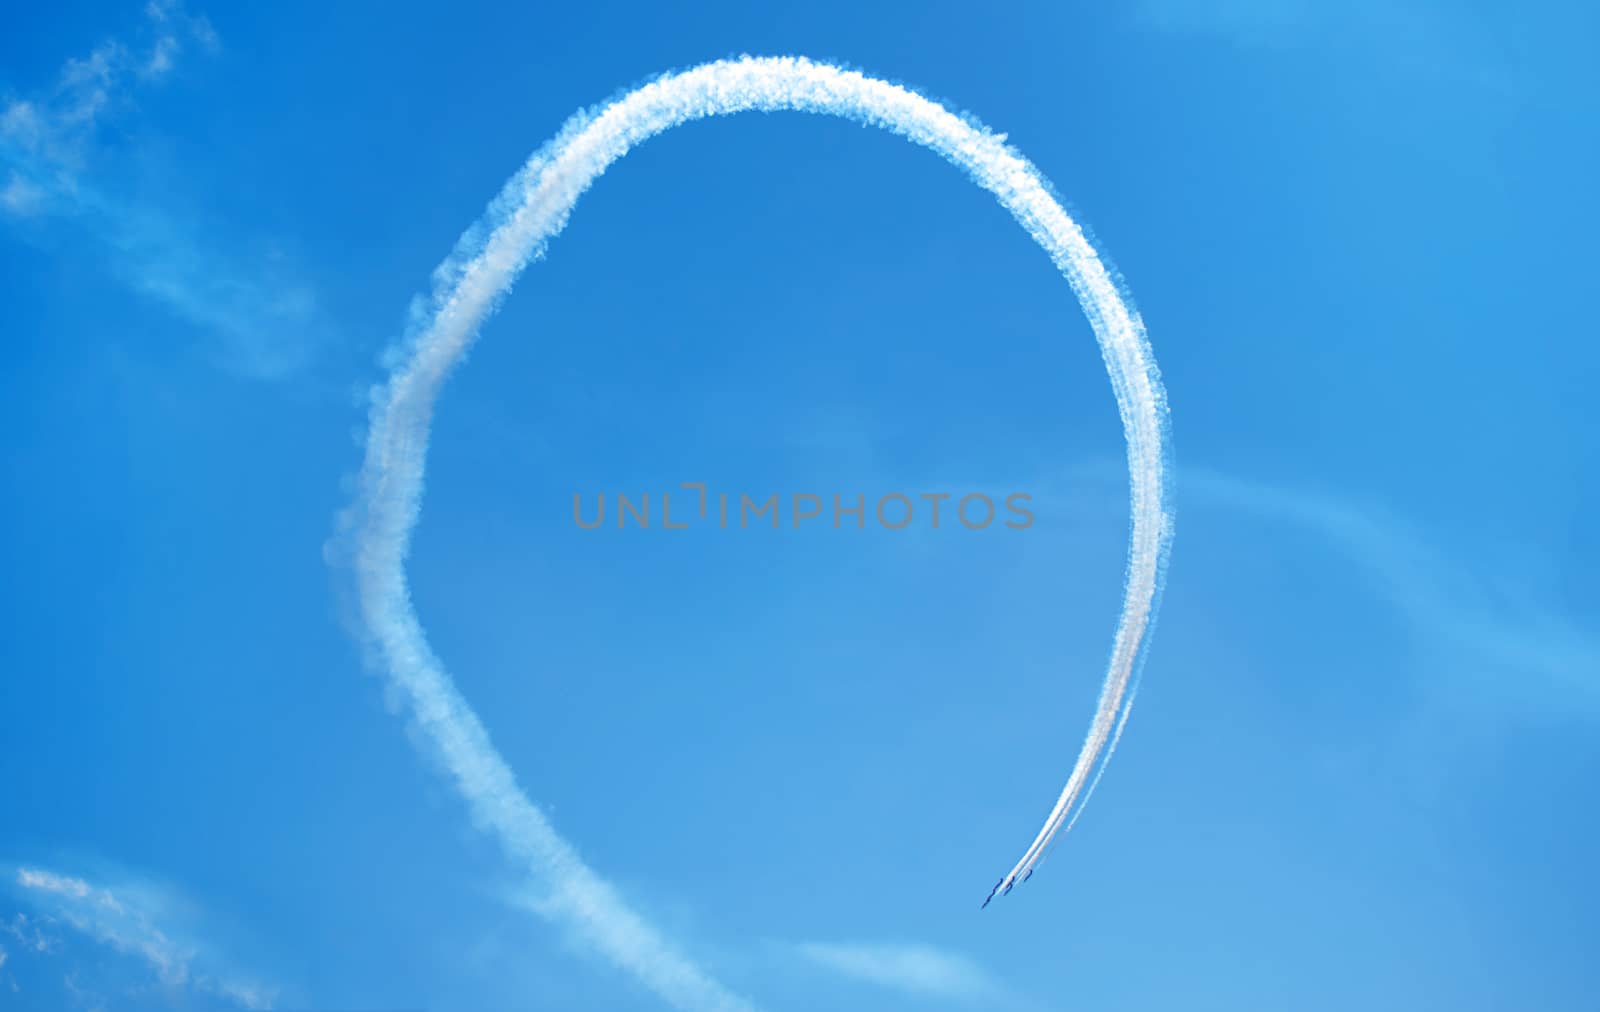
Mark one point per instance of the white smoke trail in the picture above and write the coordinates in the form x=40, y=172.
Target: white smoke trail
x=468, y=286
x=1054, y=830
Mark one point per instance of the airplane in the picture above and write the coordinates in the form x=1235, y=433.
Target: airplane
x=996, y=889
x=1028, y=876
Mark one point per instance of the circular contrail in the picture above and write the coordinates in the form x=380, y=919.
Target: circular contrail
x=468, y=286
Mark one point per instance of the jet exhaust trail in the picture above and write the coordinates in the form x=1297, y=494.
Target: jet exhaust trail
x=468, y=287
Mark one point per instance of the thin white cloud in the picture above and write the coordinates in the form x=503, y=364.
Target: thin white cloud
x=20, y=197
x=919, y=970
x=1420, y=38
x=57, y=128
x=162, y=57
x=82, y=997
x=124, y=920
x=30, y=934
x=1486, y=622
x=264, y=321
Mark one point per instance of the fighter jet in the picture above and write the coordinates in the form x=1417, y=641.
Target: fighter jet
x=996, y=889
x=1028, y=876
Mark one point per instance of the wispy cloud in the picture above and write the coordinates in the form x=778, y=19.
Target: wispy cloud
x=264, y=321
x=1485, y=621
x=57, y=129
x=31, y=935
x=125, y=920
x=919, y=970
x=1422, y=38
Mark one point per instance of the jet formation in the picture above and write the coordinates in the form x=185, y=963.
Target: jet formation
x=1010, y=882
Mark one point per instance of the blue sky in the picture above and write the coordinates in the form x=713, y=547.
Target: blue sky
x=1358, y=769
